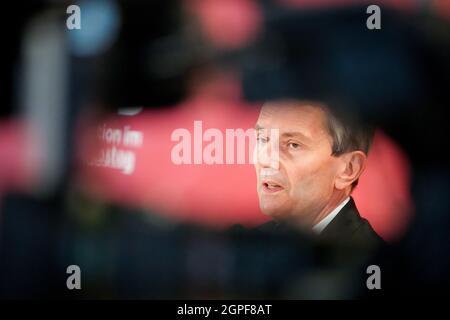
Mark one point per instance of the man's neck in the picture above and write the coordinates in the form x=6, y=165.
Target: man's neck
x=309, y=221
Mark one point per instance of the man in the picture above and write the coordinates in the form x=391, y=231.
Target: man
x=308, y=161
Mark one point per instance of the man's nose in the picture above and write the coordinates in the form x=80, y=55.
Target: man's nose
x=268, y=155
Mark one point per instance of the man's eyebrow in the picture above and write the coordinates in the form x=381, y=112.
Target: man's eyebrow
x=291, y=134
x=296, y=134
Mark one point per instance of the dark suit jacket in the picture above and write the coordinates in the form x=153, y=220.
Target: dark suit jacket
x=349, y=227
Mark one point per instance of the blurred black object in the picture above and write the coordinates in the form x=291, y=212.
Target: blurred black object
x=11, y=52
x=129, y=254
x=146, y=61
x=29, y=241
x=397, y=77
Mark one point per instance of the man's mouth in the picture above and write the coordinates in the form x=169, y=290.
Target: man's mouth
x=271, y=187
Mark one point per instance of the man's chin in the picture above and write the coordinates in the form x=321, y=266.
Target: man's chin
x=271, y=210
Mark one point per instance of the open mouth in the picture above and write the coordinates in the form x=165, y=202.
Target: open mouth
x=271, y=187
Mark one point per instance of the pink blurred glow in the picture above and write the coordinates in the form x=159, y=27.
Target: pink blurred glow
x=16, y=171
x=442, y=7
x=222, y=195
x=382, y=195
x=307, y=4
x=214, y=194
x=218, y=195
x=228, y=24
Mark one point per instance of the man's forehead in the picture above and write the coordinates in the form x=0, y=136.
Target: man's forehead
x=288, y=116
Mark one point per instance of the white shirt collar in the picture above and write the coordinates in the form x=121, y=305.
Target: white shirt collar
x=318, y=228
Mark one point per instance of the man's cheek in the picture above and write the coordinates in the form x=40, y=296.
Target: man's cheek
x=303, y=185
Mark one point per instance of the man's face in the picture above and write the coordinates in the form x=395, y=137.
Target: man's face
x=299, y=181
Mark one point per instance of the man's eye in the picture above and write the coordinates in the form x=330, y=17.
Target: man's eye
x=293, y=145
x=261, y=139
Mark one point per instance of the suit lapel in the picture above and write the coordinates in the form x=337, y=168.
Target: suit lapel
x=346, y=222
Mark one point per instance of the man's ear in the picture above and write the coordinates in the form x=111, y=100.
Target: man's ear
x=351, y=167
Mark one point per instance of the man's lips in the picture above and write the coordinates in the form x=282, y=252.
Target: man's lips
x=270, y=186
